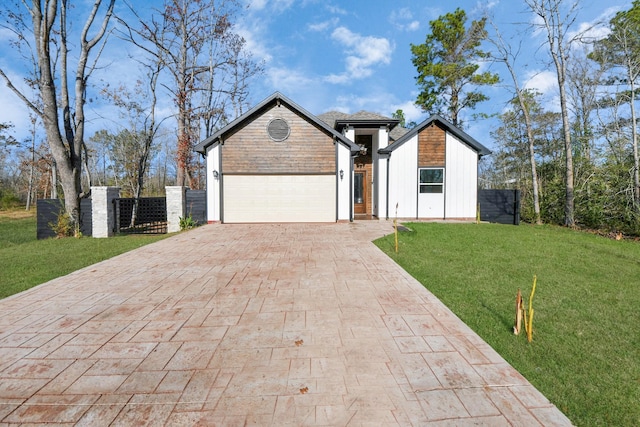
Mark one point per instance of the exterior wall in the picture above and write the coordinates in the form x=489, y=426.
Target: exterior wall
x=343, y=185
x=461, y=180
x=432, y=146
x=403, y=180
x=307, y=150
x=214, y=184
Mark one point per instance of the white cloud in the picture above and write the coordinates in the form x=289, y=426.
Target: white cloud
x=258, y=4
x=403, y=20
x=287, y=80
x=275, y=5
x=324, y=25
x=543, y=81
x=412, y=113
x=363, y=53
x=336, y=10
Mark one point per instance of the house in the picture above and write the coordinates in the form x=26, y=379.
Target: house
x=280, y=163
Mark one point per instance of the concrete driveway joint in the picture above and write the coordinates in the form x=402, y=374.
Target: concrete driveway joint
x=270, y=324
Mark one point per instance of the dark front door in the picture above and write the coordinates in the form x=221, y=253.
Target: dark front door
x=359, y=192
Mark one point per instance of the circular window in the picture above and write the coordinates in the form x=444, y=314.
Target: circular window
x=278, y=129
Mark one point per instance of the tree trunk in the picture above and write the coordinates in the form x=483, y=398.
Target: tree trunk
x=634, y=144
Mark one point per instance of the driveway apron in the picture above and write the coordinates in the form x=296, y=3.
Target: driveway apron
x=270, y=324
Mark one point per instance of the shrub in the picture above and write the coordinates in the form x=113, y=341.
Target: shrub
x=8, y=199
x=188, y=223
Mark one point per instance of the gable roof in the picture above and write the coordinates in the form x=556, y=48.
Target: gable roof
x=449, y=127
x=276, y=98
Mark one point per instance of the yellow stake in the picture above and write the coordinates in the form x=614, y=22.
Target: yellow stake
x=395, y=225
x=529, y=322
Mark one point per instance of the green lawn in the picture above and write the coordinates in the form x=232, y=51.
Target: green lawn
x=585, y=354
x=26, y=262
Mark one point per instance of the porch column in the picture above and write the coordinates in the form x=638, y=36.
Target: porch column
x=381, y=173
x=176, y=207
x=102, y=210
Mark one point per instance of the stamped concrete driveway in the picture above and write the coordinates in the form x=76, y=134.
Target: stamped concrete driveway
x=298, y=324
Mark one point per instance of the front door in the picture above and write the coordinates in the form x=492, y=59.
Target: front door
x=359, y=192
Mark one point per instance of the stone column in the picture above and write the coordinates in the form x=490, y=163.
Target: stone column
x=102, y=210
x=176, y=207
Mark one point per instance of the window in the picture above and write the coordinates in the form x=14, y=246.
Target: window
x=432, y=180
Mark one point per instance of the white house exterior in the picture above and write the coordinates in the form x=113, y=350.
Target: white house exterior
x=279, y=163
x=433, y=172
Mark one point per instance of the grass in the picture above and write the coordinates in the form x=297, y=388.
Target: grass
x=26, y=261
x=585, y=354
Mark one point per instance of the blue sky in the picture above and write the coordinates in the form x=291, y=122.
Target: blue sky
x=348, y=55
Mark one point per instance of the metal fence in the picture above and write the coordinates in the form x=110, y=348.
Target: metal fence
x=48, y=210
x=146, y=215
x=501, y=206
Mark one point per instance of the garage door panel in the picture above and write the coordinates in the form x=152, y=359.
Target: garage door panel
x=279, y=198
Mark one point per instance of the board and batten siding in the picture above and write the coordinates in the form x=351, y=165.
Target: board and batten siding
x=431, y=146
x=307, y=150
x=461, y=179
x=403, y=180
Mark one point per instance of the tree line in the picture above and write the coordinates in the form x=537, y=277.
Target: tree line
x=575, y=159
x=186, y=51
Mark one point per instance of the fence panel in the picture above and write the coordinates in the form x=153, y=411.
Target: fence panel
x=147, y=215
x=197, y=205
x=47, y=211
x=501, y=206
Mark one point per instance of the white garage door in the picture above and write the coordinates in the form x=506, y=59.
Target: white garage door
x=279, y=198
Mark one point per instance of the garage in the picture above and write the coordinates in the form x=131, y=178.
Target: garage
x=279, y=198
x=278, y=163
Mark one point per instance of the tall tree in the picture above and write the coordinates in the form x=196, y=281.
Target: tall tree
x=555, y=23
x=44, y=31
x=505, y=54
x=620, y=50
x=447, y=64
x=196, y=45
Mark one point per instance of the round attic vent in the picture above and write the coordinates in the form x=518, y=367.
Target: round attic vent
x=278, y=129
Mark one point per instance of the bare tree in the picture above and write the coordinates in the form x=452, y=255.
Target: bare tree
x=505, y=54
x=195, y=44
x=621, y=50
x=46, y=37
x=555, y=22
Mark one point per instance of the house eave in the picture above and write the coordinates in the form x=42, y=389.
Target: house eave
x=449, y=127
x=278, y=99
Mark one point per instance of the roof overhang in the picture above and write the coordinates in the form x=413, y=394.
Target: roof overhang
x=275, y=99
x=449, y=127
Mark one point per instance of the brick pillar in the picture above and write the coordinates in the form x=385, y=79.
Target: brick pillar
x=102, y=211
x=176, y=207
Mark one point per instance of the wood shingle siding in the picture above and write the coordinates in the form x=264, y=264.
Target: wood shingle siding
x=307, y=150
x=431, y=146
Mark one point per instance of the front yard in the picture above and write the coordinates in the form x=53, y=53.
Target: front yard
x=585, y=354
x=26, y=262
